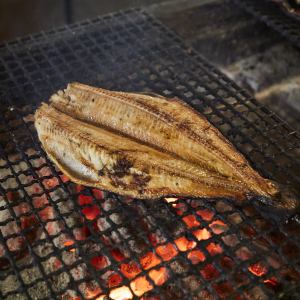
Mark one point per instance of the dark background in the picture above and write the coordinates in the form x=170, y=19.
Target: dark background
x=256, y=57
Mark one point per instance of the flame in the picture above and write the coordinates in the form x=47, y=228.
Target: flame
x=170, y=200
x=141, y=285
x=69, y=243
x=272, y=281
x=258, y=269
x=121, y=293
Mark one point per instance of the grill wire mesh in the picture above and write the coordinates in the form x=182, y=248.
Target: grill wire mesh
x=275, y=17
x=62, y=241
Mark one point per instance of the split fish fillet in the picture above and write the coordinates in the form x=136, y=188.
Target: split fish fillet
x=142, y=146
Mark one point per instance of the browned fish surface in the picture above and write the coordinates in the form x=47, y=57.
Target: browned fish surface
x=142, y=146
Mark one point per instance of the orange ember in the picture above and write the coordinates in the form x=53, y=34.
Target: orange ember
x=205, y=214
x=184, y=244
x=98, y=194
x=114, y=280
x=84, y=199
x=214, y=249
x=121, y=293
x=159, y=276
x=258, y=269
x=209, y=272
x=91, y=212
x=117, y=255
x=141, y=285
x=218, y=226
x=149, y=260
x=99, y=262
x=166, y=252
x=191, y=221
x=130, y=270
x=202, y=234
x=196, y=256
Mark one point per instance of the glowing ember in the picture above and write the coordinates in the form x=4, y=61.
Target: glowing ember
x=214, y=249
x=258, y=269
x=184, y=244
x=69, y=243
x=117, y=255
x=218, y=226
x=205, y=214
x=98, y=194
x=91, y=293
x=99, y=262
x=159, y=276
x=114, y=280
x=166, y=252
x=202, y=234
x=149, y=260
x=121, y=293
x=272, y=281
x=170, y=200
x=130, y=270
x=91, y=212
x=141, y=285
x=196, y=256
x=84, y=199
x=209, y=272
x=191, y=221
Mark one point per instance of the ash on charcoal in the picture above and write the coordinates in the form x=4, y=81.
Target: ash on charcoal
x=39, y=291
x=222, y=207
x=60, y=281
x=9, y=284
x=179, y=266
x=79, y=272
x=29, y=275
x=16, y=297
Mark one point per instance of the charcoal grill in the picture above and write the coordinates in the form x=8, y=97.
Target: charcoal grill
x=59, y=240
x=275, y=17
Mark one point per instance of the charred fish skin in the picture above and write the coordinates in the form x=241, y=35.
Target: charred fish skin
x=142, y=146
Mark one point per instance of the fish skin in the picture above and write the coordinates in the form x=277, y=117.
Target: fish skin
x=142, y=146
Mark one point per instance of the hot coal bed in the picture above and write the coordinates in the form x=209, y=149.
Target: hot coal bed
x=59, y=240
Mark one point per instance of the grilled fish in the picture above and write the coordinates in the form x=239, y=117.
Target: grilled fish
x=142, y=146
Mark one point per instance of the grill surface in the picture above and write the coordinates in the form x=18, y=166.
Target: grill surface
x=275, y=17
x=132, y=51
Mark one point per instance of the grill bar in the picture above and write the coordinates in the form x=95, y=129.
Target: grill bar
x=80, y=243
x=271, y=13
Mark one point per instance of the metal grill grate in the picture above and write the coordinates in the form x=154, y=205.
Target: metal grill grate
x=62, y=241
x=275, y=17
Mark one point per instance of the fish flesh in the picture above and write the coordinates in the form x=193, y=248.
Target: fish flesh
x=143, y=146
